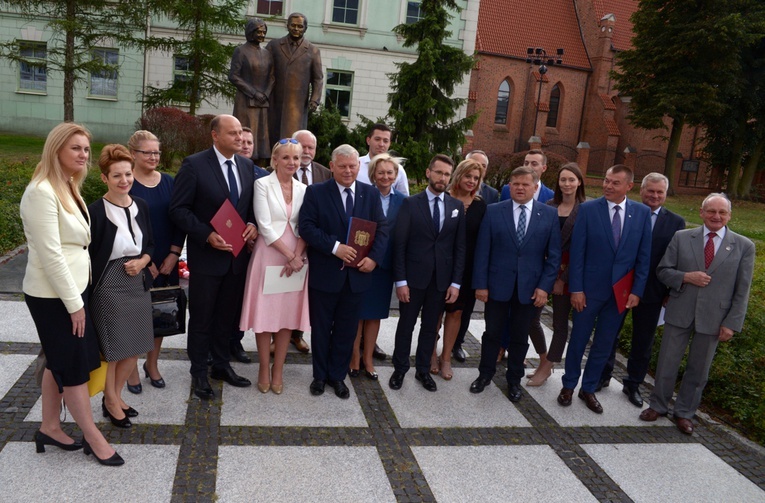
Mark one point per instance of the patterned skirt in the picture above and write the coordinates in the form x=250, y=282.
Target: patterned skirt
x=121, y=312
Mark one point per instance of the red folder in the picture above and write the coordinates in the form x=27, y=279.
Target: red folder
x=361, y=235
x=230, y=226
x=623, y=289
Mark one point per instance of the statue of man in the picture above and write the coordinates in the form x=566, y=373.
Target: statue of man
x=252, y=72
x=299, y=79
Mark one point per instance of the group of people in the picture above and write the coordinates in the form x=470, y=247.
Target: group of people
x=90, y=270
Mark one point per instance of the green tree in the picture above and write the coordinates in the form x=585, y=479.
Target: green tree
x=421, y=105
x=201, y=22
x=77, y=27
x=683, y=53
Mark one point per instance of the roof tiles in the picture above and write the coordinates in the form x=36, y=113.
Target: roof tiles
x=622, y=10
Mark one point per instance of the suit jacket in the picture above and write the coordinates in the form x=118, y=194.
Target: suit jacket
x=199, y=191
x=258, y=172
x=104, y=232
x=271, y=209
x=418, y=252
x=323, y=222
x=667, y=224
x=488, y=194
x=501, y=262
x=320, y=173
x=721, y=303
x=295, y=74
x=545, y=193
x=58, y=265
x=565, y=238
x=595, y=261
x=396, y=199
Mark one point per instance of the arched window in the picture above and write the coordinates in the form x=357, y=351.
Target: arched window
x=503, y=103
x=552, y=115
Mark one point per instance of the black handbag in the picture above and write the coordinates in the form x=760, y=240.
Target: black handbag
x=168, y=309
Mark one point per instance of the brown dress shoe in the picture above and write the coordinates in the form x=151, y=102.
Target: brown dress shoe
x=300, y=343
x=650, y=415
x=564, y=398
x=592, y=401
x=684, y=425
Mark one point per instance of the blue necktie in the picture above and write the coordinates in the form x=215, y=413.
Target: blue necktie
x=348, y=202
x=522, y=223
x=233, y=188
x=616, y=225
x=436, y=215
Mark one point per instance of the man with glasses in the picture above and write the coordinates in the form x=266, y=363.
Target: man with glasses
x=428, y=261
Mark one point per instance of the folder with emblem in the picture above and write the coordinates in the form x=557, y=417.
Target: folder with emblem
x=623, y=289
x=230, y=226
x=361, y=235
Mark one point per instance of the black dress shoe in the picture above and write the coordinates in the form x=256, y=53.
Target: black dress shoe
x=202, y=388
x=227, y=374
x=592, y=401
x=427, y=382
x=604, y=383
x=633, y=395
x=119, y=423
x=136, y=390
x=240, y=355
x=317, y=387
x=372, y=375
x=41, y=440
x=565, y=396
x=514, y=393
x=157, y=383
x=353, y=372
x=396, y=380
x=115, y=460
x=130, y=412
x=378, y=354
x=479, y=384
x=341, y=390
x=459, y=354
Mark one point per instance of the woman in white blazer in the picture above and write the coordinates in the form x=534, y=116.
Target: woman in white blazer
x=57, y=228
x=277, y=201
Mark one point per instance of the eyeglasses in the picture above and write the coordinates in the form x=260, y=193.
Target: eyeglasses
x=149, y=154
x=285, y=141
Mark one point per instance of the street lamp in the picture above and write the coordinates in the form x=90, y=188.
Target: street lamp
x=538, y=56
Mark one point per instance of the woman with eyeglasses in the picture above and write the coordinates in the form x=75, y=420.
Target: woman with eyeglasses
x=277, y=200
x=156, y=189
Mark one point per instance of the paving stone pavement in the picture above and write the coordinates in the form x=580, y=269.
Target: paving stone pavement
x=379, y=445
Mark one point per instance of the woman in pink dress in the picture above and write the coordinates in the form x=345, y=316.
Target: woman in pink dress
x=277, y=202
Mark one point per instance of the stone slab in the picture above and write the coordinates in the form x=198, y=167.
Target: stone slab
x=11, y=368
x=17, y=324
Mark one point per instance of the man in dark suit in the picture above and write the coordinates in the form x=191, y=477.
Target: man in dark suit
x=216, y=286
x=536, y=160
x=611, y=238
x=645, y=316
x=334, y=291
x=709, y=273
x=428, y=261
x=517, y=256
x=487, y=192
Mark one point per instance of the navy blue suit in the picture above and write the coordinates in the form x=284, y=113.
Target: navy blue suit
x=333, y=290
x=216, y=286
x=545, y=193
x=511, y=270
x=596, y=264
x=488, y=194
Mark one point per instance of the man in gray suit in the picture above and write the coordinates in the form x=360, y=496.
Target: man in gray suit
x=708, y=271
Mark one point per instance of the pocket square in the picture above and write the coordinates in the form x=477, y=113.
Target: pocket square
x=455, y=213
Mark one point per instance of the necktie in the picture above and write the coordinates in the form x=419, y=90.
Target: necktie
x=521, y=230
x=709, y=250
x=233, y=188
x=348, y=202
x=616, y=226
x=436, y=215
x=654, y=217
x=304, y=177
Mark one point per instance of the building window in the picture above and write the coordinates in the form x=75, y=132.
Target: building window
x=33, y=75
x=270, y=7
x=503, y=103
x=182, y=75
x=103, y=82
x=345, y=11
x=338, y=92
x=413, y=13
x=552, y=115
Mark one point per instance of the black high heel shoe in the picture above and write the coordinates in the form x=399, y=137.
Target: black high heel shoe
x=120, y=423
x=158, y=383
x=130, y=412
x=115, y=460
x=41, y=440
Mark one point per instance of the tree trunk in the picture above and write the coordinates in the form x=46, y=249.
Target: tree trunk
x=734, y=168
x=196, y=71
x=750, y=168
x=673, y=146
x=69, y=63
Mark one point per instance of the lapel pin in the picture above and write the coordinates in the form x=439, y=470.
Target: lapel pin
x=727, y=248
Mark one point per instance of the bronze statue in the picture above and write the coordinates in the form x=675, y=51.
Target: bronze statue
x=252, y=72
x=299, y=79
